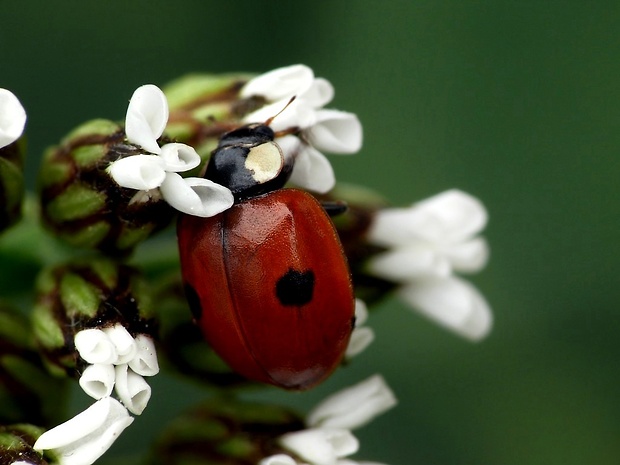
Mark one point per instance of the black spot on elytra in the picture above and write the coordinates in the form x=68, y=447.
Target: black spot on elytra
x=194, y=301
x=295, y=288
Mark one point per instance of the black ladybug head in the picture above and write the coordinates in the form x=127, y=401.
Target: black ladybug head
x=248, y=162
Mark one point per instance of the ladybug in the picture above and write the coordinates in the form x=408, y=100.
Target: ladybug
x=267, y=280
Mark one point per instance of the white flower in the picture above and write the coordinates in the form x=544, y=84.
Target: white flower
x=362, y=336
x=432, y=237
x=86, y=437
x=320, y=446
x=427, y=243
x=355, y=406
x=332, y=131
x=145, y=362
x=158, y=168
x=279, y=83
x=124, y=343
x=98, y=380
x=329, y=439
x=12, y=118
x=120, y=362
x=133, y=391
x=451, y=302
x=95, y=346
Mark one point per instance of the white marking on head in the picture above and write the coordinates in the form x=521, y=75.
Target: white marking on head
x=265, y=161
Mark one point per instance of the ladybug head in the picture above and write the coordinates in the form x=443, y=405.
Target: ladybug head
x=248, y=162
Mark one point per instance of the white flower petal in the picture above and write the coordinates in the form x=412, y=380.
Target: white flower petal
x=452, y=303
x=392, y=227
x=123, y=342
x=280, y=83
x=179, y=157
x=470, y=256
x=447, y=218
x=196, y=196
x=88, y=435
x=95, y=347
x=145, y=362
x=132, y=389
x=450, y=217
x=319, y=94
x=279, y=459
x=289, y=115
x=97, y=381
x=12, y=118
x=291, y=146
x=142, y=172
x=355, y=406
x=336, y=132
x=360, y=339
x=320, y=446
x=361, y=312
x=406, y=263
x=313, y=171
x=147, y=116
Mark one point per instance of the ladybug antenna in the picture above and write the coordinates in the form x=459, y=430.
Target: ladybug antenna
x=268, y=122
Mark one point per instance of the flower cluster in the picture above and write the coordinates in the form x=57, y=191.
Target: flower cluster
x=116, y=360
x=328, y=438
x=294, y=109
x=316, y=128
x=158, y=167
x=109, y=187
x=426, y=243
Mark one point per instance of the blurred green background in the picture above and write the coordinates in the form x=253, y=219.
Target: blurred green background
x=516, y=102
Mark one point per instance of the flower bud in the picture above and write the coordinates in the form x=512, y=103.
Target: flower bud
x=16, y=443
x=224, y=432
x=27, y=392
x=83, y=205
x=93, y=296
x=11, y=183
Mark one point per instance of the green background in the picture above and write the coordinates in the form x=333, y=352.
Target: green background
x=516, y=102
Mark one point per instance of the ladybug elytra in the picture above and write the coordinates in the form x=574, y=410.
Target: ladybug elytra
x=267, y=279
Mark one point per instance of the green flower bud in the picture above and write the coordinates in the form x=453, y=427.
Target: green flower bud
x=11, y=182
x=27, y=392
x=16, y=442
x=83, y=295
x=224, y=432
x=182, y=344
x=352, y=227
x=83, y=205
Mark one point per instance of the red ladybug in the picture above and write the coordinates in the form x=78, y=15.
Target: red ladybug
x=267, y=279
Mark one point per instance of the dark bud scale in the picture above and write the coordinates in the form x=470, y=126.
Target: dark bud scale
x=83, y=205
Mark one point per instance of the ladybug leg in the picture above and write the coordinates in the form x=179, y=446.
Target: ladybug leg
x=335, y=208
